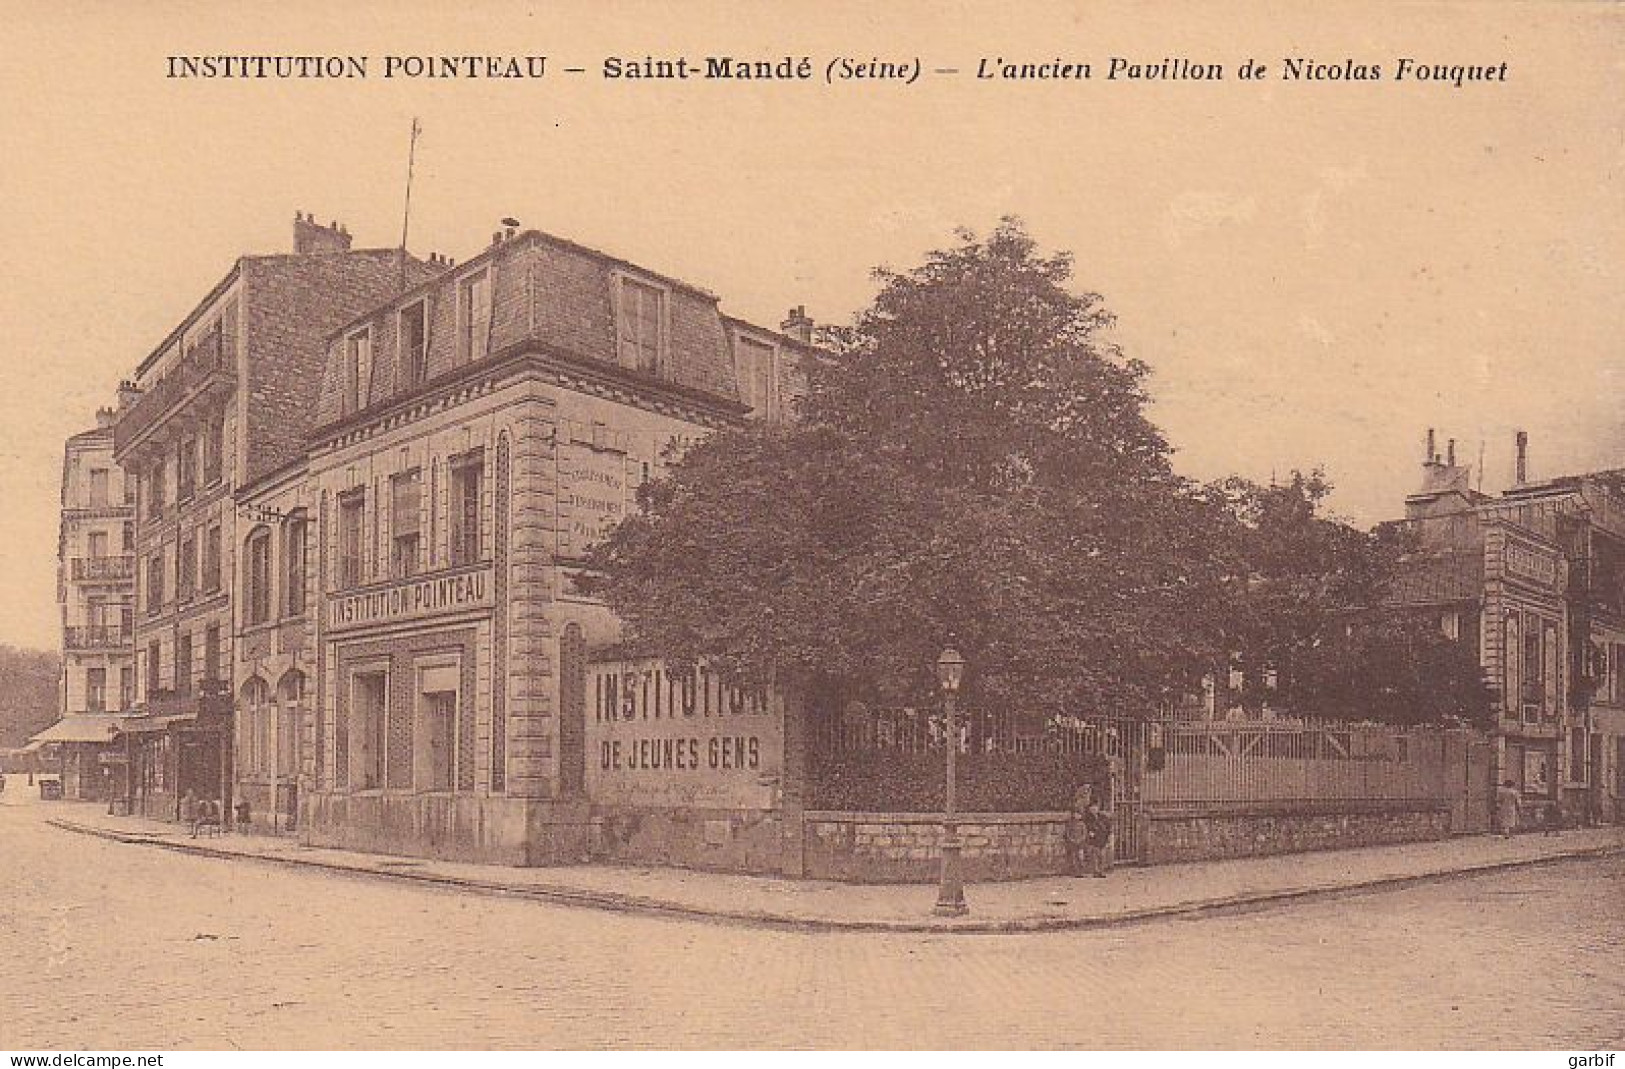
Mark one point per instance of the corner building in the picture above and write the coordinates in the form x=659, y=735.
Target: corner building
x=221, y=402
x=471, y=440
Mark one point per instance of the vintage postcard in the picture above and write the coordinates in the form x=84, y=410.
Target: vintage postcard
x=778, y=526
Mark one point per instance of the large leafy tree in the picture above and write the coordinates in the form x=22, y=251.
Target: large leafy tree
x=973, y=466
x=1308, y=621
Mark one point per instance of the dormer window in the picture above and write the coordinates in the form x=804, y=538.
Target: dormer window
x=414, y=342
x=474, y=316
x=357, y=369
x=757, y=374
x=640, y=311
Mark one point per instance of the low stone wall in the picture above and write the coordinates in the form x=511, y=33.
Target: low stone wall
x=906, y=847
x=1250, y=830
x=453, y=827
x=723, y=840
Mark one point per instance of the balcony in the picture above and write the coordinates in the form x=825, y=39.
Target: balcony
x=96, y=637
x=103, y=569
x=210, y=698
x=206, y=374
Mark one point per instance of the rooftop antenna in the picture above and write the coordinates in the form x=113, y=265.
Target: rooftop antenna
x=1481, y=465
x=406, y=211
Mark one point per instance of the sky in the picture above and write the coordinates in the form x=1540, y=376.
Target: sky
x=1316, y=271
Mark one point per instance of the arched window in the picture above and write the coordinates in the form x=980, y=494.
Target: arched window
x=290, y=694
x=293, y=564
x=253, y=723
x=257, y=576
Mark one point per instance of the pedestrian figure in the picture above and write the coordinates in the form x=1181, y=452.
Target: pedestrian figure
x=1097, y=826
x=1506, y=808
x=1077, y=830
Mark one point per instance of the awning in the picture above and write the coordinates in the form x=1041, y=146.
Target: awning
x=81, y=727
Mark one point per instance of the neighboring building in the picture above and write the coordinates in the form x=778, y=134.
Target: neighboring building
x=96, y=593
x=473, y=437
x=221, y=402
x=1535, y=580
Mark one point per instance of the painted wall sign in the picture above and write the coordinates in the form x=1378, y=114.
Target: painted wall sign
x=688, y=741
x=1531, y=563
x=412, y=599
x=593, y=495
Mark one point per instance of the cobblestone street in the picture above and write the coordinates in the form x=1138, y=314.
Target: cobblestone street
x=106, y=945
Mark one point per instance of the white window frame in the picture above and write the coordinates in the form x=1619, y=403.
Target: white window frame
x=465, y=314
x=421, y=305
x=620, y=281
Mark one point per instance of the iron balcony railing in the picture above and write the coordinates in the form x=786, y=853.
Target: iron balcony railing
x=103, y=569
x=206, y=365
x=96, y=637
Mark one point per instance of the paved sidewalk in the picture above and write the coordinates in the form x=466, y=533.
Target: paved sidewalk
x=1127, y=896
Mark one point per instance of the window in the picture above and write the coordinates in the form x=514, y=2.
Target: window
x=464, y=521
x=639, y=327
x=1577, y=755
x=186, y=570
x=251, y=741
x=214, y=440
x=290, y=696
x=1534, y=685
x=414, y=342
x=154, y=484
x=183, y=664
x=1450, y=625
x=435, y=733
x=126, y=686
x=758, y=386
x=95, y=690
x=406, y=493
x=474, y=316
x=96, y=543
x=352, y=507
x=98, y=488
x=211, y=653
x=357, y=370
x=211, y=558
x=370, y=705
x=257, y=576
x=293, y=566
x=186, y=470
x=155, y=584
x=127, y=537
x=152, y=668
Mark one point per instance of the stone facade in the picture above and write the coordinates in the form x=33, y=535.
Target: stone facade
x=906, y=847
x=1249, y=830
x=473, y=437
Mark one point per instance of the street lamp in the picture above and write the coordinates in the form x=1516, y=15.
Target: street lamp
x=950, y=891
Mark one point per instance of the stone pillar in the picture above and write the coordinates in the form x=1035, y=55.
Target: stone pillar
x=532, y=723
x=795, y=708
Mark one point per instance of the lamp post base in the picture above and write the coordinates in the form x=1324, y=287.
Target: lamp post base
x=950, y=889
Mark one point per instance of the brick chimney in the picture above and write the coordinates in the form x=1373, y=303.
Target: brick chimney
x=128, y=394
x=311, y=237
x=798, y=325
x=106, y=417
x=1521, y=472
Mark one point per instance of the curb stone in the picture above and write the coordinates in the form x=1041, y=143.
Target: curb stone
x=617, y=902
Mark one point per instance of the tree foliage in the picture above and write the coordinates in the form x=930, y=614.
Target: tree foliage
x=973, y=466
x=29, y=679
